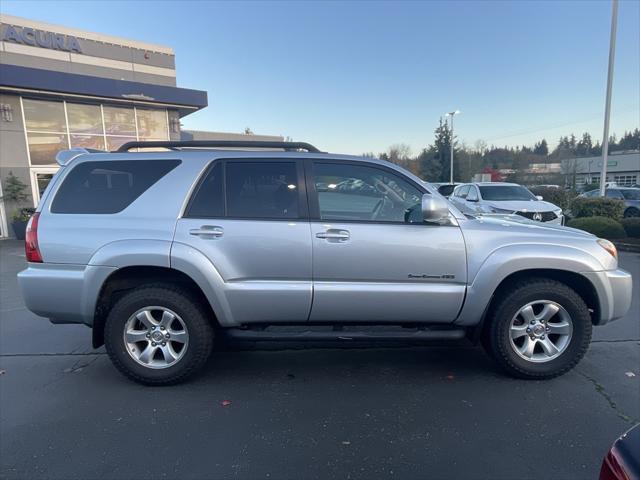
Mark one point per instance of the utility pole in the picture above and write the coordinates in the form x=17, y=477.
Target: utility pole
x=607, y=107
x=452, y=114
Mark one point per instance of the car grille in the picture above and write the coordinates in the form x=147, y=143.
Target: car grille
x=546, y=216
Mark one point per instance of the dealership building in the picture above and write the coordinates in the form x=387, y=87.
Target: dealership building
x=62, y=87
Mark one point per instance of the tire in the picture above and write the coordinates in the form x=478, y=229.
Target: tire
x=507, y=320
x=144, y=311
x=631, y=212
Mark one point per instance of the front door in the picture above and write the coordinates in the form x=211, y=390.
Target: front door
x=374, y=259
x=249, y=217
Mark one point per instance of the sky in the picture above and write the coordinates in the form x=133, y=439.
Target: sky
x=359, y=76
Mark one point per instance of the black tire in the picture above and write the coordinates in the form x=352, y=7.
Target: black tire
x=192, y=313
x=497, y=336
x=632, y=212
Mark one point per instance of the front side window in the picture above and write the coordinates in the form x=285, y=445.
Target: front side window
x=108, y=186
x=363, y=193
x=463, y=191
x=631, y=194
x=262, y=189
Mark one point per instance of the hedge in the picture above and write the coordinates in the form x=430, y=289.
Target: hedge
x=557, y=196
x=600, y=226
x=597, y=207
x=631, y=226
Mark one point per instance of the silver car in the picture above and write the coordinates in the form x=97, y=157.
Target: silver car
x=505, y=198
x=161, y=251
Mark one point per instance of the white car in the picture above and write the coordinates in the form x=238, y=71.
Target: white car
x=504, y=198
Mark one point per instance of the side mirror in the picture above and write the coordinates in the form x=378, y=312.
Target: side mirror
x=539, y=197
x=434, y=208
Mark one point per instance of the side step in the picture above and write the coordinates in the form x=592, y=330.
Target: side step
x=265, y=335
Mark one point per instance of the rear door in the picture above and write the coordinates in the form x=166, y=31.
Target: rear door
x=374, y=259
x=250, y=218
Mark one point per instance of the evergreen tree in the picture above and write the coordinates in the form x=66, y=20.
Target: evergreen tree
x=541, y=148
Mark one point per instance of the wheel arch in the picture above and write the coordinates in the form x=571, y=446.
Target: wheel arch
x=581, y=284
x=132, y=276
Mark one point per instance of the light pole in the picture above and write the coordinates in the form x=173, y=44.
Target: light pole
x=452, y=114
x=607, y=106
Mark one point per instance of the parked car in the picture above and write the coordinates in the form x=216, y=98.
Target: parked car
x=158, y=252
x=629, y=195
x=622, y=461
x=505, y=198
x=445, y=189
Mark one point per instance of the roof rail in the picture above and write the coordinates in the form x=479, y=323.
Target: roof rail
x=174, y=145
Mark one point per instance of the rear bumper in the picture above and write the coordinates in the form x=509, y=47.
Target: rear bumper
x=614, y=289
x=63, y=293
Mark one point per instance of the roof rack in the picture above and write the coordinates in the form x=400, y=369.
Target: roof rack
x=175, y=145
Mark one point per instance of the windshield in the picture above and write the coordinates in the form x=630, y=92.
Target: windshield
x=505, y=192
x=631, y=194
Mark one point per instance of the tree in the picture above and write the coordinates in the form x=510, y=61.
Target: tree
x=429, y=165
x=541, y=148
x=584, y=146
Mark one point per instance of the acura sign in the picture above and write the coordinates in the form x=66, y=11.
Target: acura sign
x=40, y=38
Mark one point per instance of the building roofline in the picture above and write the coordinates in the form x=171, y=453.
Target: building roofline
x=85, y=34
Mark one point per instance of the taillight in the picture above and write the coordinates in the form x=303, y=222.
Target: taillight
x=31, y=248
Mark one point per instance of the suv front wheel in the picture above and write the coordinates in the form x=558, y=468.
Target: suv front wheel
x=158, y=334
x=539, y=329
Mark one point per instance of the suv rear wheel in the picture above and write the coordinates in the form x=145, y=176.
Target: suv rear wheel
x=158, y=335
x=539, y=329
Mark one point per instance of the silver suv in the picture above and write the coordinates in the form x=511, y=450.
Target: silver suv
x=161, y=251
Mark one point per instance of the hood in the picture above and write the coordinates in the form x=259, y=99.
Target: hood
x=517, y=223
x=523, y=205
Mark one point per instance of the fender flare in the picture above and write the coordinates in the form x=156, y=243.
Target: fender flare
x=511, y=259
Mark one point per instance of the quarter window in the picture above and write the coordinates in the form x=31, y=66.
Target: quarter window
x=363, y=193
x=209, y=198
x=108, y=187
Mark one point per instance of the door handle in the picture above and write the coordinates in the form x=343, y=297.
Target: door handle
x=334, y=234
x=207, y=231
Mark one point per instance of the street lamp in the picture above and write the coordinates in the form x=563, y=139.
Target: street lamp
x=607, y=105
x=452, y=114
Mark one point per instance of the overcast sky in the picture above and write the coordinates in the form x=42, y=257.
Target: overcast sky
x=359, y=76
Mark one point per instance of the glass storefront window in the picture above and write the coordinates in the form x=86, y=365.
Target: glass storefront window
x=45, y=116
x=114, y=142
x=152, y=123
x=119, y=121
x=84, y=119
x=87, y=141
x=44, y=146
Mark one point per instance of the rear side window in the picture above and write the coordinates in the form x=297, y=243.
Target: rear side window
x=262, y=190
x=108, y=187
x=209, y=199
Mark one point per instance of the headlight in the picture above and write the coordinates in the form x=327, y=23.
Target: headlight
x=500, y=210
x=558, y=212
x=609, y=247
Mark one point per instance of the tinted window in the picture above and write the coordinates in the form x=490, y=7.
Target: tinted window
x=631, y=194
x=108, y=187
x=209, y=199
x=613, y=193
x=505, y=192
x=354, y=192
x=262, y=190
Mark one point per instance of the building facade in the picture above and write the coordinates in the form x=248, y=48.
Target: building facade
x=623, y=168
x=62, y=88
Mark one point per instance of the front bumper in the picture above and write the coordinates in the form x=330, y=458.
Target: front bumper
x=614, y=289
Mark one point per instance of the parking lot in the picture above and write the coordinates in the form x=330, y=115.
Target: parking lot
x=418, y=412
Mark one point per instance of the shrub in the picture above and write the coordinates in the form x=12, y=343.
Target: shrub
x=631, y=226
x=600, y=226
x=597, y=207
x=557, y=196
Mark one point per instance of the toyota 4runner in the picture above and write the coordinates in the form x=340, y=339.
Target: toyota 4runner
x=160, y=251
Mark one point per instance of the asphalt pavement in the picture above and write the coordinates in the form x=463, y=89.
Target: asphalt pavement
x=418, y=412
